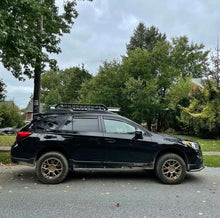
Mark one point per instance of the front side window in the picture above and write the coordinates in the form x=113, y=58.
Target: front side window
x=117, y=126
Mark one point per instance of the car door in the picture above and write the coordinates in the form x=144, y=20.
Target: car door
x=120, y=143
x=83, y=137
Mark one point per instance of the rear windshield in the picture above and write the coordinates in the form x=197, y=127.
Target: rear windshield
x=49, y=123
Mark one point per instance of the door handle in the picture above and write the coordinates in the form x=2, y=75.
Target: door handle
x=109, y=140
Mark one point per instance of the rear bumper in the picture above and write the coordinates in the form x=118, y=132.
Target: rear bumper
x=23, y=161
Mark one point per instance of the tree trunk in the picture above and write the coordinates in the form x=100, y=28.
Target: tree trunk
x=37, y=80
x=37, y=74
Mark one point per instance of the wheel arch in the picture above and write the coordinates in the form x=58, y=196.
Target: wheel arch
x=174, y=151
x=51, y=149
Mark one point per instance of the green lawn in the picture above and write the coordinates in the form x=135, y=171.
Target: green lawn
x=5, y=158
x=206, y=144
x=7, y=140
x=212, y=160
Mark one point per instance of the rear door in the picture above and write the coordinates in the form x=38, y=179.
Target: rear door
x=83, y=138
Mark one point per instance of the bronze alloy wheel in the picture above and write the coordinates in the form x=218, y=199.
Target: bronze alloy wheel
x=51, y=168
x=172, y=169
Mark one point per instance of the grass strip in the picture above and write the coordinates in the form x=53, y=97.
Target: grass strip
x=5, y=157
x=7, y=140
x=212, y=160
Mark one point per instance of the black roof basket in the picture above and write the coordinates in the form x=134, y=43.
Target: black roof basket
x=81, y=107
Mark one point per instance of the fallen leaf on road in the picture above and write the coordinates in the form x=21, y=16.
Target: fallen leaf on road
x=83, y=179
x=107, y=193
x=26, y=187
x=135, y=188
x=200, y=214
x=198, y=191
x=122, y=186
x=10, y=191
x=203, y=201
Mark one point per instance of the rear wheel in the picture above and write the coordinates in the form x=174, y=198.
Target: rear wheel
x=170, y=168
x=52, y=167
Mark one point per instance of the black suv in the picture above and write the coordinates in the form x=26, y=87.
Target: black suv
x=89, y=136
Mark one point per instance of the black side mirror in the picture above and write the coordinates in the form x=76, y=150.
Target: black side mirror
x=138, y=134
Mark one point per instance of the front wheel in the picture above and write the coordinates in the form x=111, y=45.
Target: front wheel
x=170, y=168
x=52, y=167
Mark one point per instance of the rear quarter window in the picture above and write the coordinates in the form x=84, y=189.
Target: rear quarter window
x=49, y=123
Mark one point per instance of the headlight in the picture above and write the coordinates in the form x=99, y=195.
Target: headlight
x=193, y=145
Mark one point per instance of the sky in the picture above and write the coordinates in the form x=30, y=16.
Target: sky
x=104, y=27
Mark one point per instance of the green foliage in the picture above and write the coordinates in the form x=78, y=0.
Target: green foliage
x=22, y=44
x=202, y=116
x=52, y=99
x=145, y=38
x=10, y=115
x=105, y=87
x=65, y=84
x=2, y=90
x=140, y=83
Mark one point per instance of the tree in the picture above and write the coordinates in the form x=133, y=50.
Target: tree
x=202, y=116
x=214, y=72
x=51, y=99
x=25, y=40
x=67, y=83
x=2, y=90
x=10, y=115
x=145, y=38
x=105, y=87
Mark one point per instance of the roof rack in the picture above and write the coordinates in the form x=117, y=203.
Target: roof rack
x=81, y=107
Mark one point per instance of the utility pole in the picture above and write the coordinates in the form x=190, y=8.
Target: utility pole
x=37, y=74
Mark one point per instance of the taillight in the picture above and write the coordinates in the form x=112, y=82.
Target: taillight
x=22, y=135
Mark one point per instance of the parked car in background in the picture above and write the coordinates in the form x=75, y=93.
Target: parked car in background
x=8, y=131
x=74, y=136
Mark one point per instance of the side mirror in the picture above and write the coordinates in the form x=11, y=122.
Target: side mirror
x=138, y=134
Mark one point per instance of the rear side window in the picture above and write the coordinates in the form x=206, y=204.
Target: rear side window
x=49, y=123
x=81, y=125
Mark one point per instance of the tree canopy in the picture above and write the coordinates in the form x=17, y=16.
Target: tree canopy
x=66, y=83
x=22, y=44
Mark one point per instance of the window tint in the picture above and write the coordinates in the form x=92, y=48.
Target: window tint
x=85, y=125
x=116, y=126
x=81, y=125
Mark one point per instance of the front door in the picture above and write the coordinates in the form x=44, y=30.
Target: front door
x=121, y=145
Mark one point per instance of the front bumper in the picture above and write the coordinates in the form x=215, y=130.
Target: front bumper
x=197, y=166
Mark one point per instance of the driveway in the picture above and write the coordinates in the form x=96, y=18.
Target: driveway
x=112, y=193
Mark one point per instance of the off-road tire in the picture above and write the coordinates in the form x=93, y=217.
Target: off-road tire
x=170, y=168
x=52, y=167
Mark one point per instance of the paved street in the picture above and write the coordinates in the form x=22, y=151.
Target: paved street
x=108, y=194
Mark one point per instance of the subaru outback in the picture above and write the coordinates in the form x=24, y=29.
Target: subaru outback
x=72, y=136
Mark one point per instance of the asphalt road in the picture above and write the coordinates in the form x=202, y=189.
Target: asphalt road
x=108, y=194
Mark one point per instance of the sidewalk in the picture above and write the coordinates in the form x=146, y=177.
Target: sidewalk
x=7, y=149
